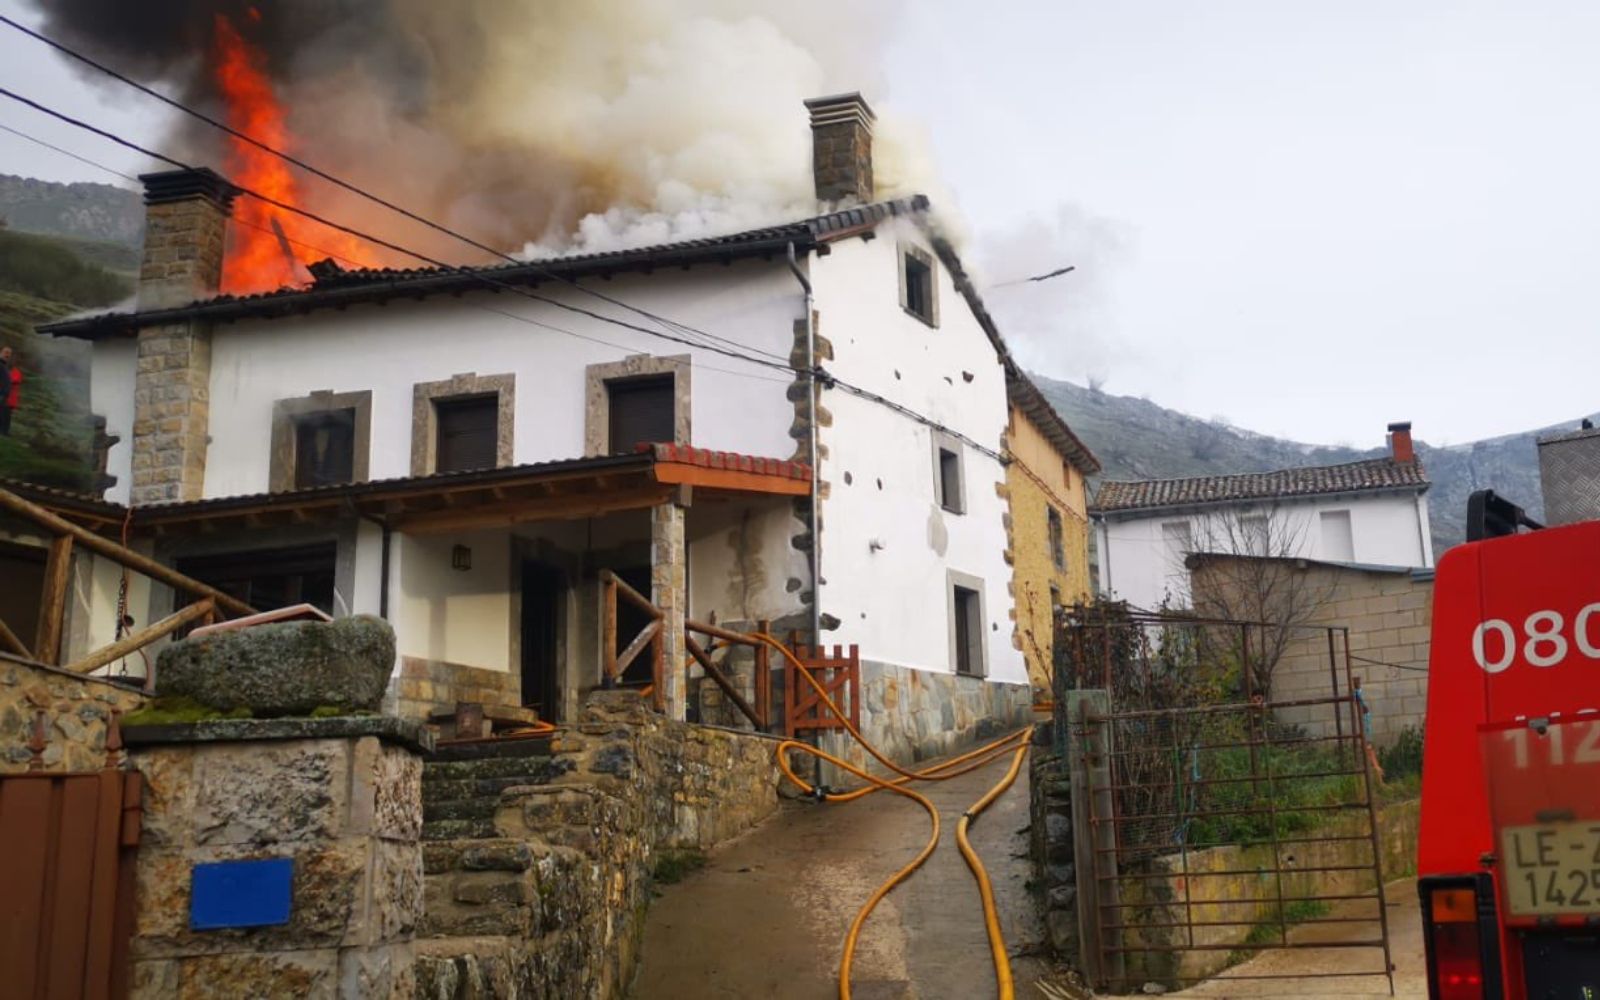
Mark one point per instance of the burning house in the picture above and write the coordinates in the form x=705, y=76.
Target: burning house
x=542, y=499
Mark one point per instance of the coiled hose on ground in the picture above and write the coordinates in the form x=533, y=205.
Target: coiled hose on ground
x=1015, y=744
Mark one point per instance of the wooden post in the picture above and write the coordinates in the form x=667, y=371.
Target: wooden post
x=608, y=640
x=53, y=601
x=764, y=676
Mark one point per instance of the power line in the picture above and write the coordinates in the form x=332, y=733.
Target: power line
x=67, y=152
x=388, y=244
x=815, y=372
x=356, y=189
x=329, y=253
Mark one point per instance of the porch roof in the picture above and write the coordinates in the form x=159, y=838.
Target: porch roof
x=453, y=501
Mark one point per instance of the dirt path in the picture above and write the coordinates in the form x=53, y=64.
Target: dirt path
x=766, y=917
x=1405, y=946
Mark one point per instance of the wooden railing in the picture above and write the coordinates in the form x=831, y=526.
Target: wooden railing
x=759, y=714
x=615, y=664
x=207, y=605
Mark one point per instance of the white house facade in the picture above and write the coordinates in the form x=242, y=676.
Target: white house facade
x=1370, y=513
x=474, y=459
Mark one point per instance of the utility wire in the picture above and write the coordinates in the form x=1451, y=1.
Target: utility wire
x=1385, y=663
x=816, y=372
x=379, y=241
x=353, y=188
x=329, y=253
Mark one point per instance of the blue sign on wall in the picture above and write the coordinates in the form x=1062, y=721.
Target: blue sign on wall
x=240, y=894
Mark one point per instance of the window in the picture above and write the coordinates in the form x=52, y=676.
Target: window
x=270, y=578
x=967, y=623
x=641, y=410
x=643, y=397
x=948, y=485
x=918, y=289
x=1338, y=542
x=463, y=422
x=1176, y=544
x=322, y=439
x=1058, y=543
x=324, y=448
x=468, y=432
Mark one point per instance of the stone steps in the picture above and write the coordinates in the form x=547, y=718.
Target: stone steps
x=462, y=784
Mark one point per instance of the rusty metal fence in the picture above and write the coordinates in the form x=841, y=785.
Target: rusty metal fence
x=1214, y=822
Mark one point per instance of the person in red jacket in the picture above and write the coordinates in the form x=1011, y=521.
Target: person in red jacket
x=10, y=389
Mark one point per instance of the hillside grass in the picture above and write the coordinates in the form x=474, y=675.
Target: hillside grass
x=42, y=278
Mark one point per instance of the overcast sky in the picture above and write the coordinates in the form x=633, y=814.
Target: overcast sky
x=1311, y=218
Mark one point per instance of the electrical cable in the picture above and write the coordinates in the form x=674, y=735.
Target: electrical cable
x=356, y=189
x=819, y=374
x=329, y=253
x=474, y=273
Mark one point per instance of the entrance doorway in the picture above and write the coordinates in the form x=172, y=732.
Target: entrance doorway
x=542, y=589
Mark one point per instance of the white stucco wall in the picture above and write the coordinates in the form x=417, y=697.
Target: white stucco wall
x=735, y=406
x=1138, y=566
x=457, y=616
x=111, y=376
x=893, y=601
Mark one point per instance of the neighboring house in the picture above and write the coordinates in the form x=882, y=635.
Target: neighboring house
x=1372, y=512
x=1049, y=528
x=1388, y=612
x=467, y=462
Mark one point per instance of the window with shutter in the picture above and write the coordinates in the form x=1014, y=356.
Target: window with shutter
x=641, y=411
x=468, y=430
x=324, y=449
x=969, y=632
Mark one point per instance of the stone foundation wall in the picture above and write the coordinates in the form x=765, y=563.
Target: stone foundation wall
x=914, y=715
x=76, y=709
x=553, y=905
x=340, y=797
x=428, y=686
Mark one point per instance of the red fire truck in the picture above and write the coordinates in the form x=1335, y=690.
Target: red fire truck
x=1509, y=858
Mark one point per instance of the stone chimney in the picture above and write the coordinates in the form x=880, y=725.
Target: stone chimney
x=186, y=217
x=1400, y=448
x=841, y=147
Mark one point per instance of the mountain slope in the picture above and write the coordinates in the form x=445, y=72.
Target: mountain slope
x=1137, y=439
x=83, y=211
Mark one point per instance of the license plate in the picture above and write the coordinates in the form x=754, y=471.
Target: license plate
x=1552, y=869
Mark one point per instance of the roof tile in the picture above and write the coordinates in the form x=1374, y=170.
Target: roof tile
x=1351, y=477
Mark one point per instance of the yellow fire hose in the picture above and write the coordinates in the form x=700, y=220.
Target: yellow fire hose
x=1016, y=744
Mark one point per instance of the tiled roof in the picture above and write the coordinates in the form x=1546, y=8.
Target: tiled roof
x=337, y=287
x=1351, y=477
x=705, y=458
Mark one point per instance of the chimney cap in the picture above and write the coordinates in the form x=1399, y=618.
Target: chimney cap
x=166, y=186
x=835, y=108
x=1398, y=426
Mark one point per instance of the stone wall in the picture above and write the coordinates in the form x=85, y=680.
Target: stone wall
x=341, y=797
x=424, y=687
x=76, y=711
x=552, y=904
x=1389, y=614
x=914, y=715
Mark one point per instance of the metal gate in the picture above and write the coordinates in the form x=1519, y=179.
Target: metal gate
x=1214, y=826
x=67, y=844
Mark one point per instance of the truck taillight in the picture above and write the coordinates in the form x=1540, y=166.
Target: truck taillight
x=1462, y=965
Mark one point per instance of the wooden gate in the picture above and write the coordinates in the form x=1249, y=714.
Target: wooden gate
x=839, y=675
x=67, y=845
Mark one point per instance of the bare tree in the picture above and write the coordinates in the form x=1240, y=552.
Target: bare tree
x=1248, y=565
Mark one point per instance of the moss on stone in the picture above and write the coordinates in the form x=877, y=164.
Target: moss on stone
x=673, y=865
x=179, y=708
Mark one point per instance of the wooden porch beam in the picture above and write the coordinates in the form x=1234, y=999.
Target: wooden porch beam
x=678, y=473
x=568, y=508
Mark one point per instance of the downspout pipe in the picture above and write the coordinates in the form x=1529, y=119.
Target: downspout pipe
x=816, y=472
x=383, y=572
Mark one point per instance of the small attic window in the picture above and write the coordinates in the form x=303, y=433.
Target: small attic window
x=918, y=289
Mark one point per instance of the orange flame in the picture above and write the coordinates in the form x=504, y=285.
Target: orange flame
x=267, y=248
